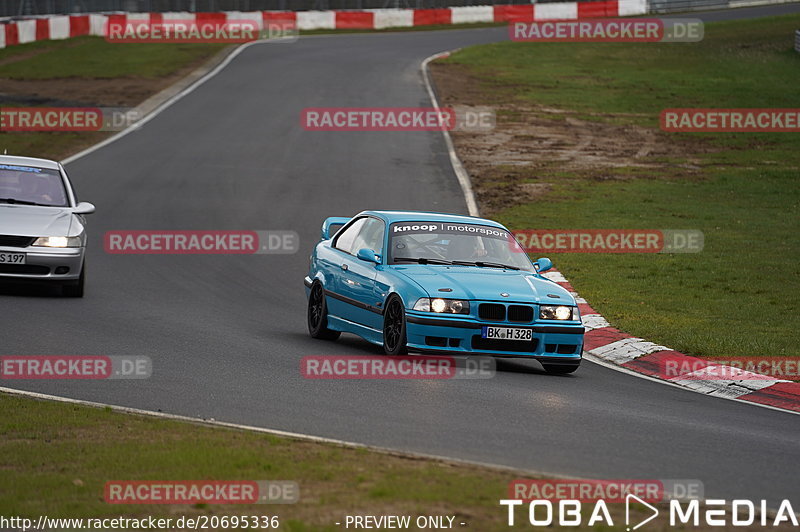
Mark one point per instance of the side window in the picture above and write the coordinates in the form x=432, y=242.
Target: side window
x=344, y=239
x=370, y=237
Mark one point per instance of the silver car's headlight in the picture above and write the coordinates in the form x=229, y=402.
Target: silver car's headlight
x=442, y=306
x=58, y=242
x=558, y=312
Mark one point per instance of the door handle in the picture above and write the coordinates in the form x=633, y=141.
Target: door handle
x=344, y=267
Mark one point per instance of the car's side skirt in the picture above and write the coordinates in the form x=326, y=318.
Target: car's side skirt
x=367, y=333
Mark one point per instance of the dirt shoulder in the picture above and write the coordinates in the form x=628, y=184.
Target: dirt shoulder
x=533, y=146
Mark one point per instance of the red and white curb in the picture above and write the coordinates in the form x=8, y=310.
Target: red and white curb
x=640, y=356
x=68, y=26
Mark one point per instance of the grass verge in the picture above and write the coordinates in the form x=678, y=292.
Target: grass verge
x=578, y=147
x=56, y=459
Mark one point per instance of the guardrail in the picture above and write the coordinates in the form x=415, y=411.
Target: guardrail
x=67, y=26
x=16, y=8
x=797, y=40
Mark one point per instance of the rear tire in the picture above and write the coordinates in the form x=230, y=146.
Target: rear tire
x=394, y=327
x=75, y=288
x=560, y=369
x=318, y=315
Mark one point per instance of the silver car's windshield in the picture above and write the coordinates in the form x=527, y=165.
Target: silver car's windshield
x=32, y=186
x=455, y=243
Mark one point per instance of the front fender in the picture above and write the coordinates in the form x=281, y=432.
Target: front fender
x=390, y=282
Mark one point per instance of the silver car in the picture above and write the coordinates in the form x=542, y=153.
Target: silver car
x=42, y=228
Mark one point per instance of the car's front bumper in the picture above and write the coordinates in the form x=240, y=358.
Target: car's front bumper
x=557, y=343
x=41, y=263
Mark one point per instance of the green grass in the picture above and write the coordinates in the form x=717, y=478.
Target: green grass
x=93, y=57
x=741, y=295
x=56, y=458
x=730, y=67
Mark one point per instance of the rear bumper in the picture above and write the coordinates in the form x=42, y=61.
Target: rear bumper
x=557, y=344
x=44, y=263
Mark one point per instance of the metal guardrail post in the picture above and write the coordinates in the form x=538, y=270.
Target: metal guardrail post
x=797, y=40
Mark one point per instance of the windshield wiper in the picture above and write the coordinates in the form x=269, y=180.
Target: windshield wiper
x=422, y=260
x=484, y=264
x=15, y=201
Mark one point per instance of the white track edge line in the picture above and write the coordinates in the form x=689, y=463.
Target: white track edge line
x=212, y=423
x=309, y=438
x=463, y=177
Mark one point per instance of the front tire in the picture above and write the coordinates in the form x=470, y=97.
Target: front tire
x=394, y=327
x=75, y=289
x=318, y=315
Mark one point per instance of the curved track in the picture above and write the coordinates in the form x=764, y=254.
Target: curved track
x=226, y=333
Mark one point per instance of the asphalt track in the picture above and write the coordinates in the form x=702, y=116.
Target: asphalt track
x=226, y=333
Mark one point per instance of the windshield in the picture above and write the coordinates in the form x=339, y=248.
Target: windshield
x=455, y=243
x=32, y=186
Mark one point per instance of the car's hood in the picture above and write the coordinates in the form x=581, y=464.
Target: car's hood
x=30, y=220
x=486, y=284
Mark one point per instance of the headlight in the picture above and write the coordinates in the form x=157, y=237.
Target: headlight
x=58, y=242
x=442, y=306
x=553, y=312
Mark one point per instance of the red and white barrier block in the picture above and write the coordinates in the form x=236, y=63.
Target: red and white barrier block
x=68, y=26
x=705, y=376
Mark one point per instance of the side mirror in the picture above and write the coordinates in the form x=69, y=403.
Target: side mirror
x=368, y=255
x=543, y=264
x=83, y=207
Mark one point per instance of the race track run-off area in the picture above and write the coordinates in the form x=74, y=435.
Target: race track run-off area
x=226, y=333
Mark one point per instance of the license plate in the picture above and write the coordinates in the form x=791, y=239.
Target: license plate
x=12, y=258
x=507, y=333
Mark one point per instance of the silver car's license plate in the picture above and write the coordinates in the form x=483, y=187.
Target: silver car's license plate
x=507, y=333
x=12, y=258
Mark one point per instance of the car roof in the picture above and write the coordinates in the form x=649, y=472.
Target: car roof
x=28, y=161
x=422, y=216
